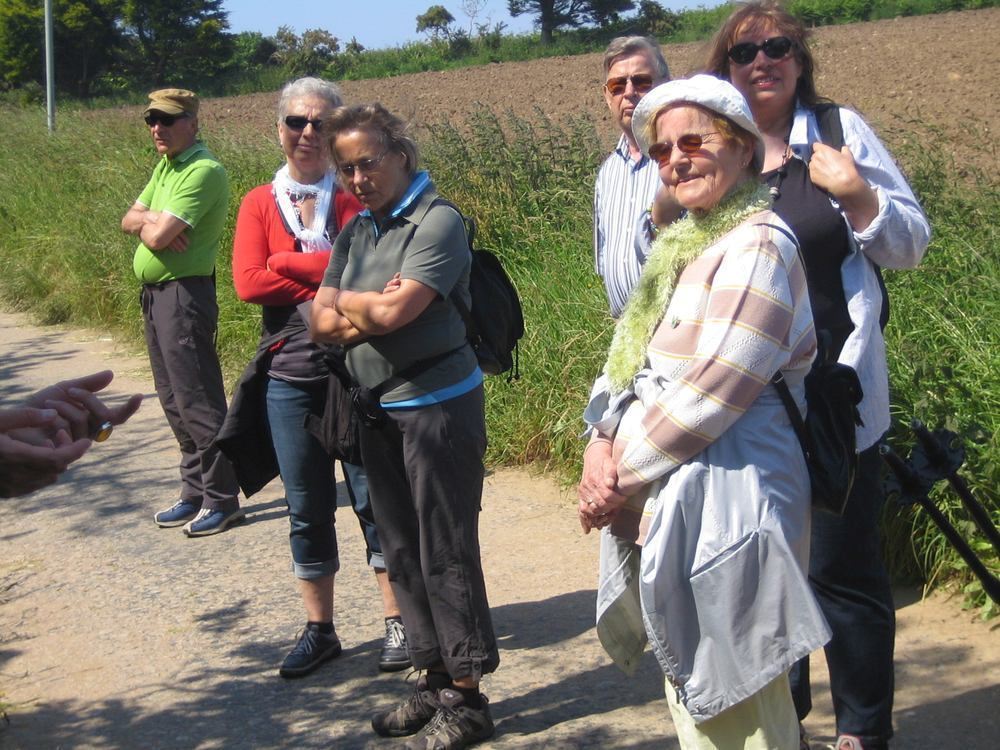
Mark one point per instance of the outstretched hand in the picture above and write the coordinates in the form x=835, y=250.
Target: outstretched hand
x=80, y=412
x=26, y=467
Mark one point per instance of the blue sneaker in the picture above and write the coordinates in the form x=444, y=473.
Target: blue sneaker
x=213, y=521
x=177, y=514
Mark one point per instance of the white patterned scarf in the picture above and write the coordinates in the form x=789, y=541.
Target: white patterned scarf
x=312, y=238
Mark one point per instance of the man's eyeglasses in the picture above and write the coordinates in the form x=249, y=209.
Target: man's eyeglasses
x=298, y=123
x=158, y=118
x=641, y=84
x=690, y=143
x=362, y=165
x=776, y=48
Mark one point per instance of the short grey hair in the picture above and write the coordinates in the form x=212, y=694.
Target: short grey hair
x=308, y=86
x=393, y=132
x=636, y=45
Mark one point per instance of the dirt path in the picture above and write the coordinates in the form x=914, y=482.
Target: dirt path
x=116, y=634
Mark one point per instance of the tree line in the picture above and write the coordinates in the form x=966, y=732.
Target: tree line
x=112, y=47
x=120, y=48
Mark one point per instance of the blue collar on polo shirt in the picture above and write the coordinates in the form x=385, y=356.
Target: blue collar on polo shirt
x=417, y=186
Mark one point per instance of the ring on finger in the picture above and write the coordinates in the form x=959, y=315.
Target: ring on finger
x=103, y=432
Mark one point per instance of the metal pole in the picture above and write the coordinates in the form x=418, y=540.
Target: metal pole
x=50, y=74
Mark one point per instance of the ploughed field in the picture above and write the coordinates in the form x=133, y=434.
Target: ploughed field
x=933, y=80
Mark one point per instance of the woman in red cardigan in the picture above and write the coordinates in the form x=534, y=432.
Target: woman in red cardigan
x=281, y=249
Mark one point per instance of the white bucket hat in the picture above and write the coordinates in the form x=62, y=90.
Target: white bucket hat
x=708, y=91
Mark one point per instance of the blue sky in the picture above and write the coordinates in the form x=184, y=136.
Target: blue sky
x=375, y=23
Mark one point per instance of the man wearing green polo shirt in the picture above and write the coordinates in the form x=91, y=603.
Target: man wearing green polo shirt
x=179, y=218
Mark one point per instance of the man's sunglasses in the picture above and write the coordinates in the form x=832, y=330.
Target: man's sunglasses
x=689, y=143
x=640, y=84
x=298, y=123
x=776, y=48
x=158, y=118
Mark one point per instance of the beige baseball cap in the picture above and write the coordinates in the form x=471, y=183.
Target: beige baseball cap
x=172, y=102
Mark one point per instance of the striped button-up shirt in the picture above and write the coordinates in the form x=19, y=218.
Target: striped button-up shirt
x=623, y=191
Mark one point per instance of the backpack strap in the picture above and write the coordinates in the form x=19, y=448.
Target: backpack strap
x=831, y=130
x=794, y=415
x=778, y=381
x=463, y=309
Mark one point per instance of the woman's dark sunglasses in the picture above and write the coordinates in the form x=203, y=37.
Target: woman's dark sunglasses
x=689, y=143
x=158, y=118
x=298, y=123
x=641, y=83
x=776, y=48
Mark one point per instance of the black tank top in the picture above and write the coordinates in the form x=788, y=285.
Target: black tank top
x=822, y=234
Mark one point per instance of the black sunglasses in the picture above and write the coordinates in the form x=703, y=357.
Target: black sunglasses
x=158, y=118
x=776, y=48
x=298, y=122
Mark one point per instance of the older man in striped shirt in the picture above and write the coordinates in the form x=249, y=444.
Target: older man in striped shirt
x=627, y=180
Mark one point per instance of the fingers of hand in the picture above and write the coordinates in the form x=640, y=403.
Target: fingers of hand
x=41, y=459
x=74, y=417
x=121, y=414
x=96, y=381
x=12, y=419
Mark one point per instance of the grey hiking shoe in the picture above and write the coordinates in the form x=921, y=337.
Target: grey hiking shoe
x=310, y=652
x=455, y=725
x=410, y=716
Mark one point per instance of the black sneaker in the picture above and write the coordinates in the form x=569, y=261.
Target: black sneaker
x=313, y=649
x=394, y=655
x=455, y=725
x=410, y=716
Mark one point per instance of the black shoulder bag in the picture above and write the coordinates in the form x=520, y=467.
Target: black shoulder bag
x=827, y=434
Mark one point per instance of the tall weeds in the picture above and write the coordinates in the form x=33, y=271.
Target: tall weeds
x=530, y=186
x=944, y=354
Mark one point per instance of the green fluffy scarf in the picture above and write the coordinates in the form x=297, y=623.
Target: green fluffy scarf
x=675, y=247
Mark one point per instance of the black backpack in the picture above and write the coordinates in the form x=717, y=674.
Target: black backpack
x=495, y=323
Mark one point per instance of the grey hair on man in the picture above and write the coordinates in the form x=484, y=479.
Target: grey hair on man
x=633, y=45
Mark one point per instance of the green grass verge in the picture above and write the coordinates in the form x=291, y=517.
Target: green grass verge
x=63, y=258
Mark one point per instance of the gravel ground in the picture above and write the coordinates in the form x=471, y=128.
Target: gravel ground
x=117, y=634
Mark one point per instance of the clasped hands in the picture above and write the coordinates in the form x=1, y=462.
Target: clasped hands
x=598, y=493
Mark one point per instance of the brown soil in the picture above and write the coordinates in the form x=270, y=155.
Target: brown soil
x=934, y=77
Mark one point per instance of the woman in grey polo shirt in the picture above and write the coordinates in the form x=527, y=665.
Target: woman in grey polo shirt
x=386, y=297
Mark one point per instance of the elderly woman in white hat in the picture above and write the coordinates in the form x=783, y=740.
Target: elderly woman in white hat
x=705, y=506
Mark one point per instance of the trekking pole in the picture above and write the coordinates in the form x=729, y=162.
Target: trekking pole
x=913, y=480
x=942, y=452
